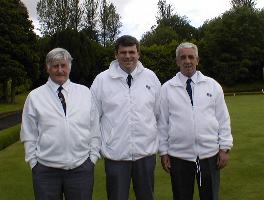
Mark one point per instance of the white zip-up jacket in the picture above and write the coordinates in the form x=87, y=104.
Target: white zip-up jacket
x=187, y=131
x=56, y=140
x=128, y=115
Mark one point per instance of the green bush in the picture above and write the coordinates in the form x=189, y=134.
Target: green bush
x=9, y=136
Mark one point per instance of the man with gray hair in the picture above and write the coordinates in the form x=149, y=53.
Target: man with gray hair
x=60, y=132
x=194, y=129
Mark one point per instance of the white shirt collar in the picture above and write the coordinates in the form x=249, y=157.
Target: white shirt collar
x=124, y=74
x=54, y=86
x=184, y=78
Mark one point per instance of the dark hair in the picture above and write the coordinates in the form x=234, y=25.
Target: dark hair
x=126, y=40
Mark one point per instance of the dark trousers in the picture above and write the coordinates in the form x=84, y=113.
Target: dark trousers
x=52, y=184
x=120, y=173
x=183, y=174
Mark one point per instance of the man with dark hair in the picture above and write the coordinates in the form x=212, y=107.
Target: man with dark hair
x=61, y=135
x=127, y=95
x=127, y=41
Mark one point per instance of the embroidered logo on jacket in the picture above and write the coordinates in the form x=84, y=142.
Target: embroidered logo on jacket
x=208, y=94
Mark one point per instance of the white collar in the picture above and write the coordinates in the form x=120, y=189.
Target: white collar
x=184, y=78
x=54, y=86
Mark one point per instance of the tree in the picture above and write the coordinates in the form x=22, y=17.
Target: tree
x=113, y=24
x=75, y=15
x=109, y=23
x=18, y=58
x=91, y=18
x=169, y=27
x=160, y=59
x=243, y=3
x=104, y=15
x=46, y=10
x=232, y=46
x=159, y=35
x=58, y=15
x=164, y=10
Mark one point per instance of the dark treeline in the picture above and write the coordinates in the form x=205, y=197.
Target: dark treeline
x=230, y=46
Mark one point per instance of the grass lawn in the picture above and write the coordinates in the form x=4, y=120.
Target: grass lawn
x=18, y=105
x=242, y=179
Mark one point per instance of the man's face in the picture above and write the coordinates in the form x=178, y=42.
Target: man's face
x=127, y=57
x=59, y=71
x=187, y=61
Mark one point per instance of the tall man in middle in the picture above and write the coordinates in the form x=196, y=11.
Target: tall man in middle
x=127, y=95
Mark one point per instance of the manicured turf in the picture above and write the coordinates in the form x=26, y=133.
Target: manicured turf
x=18, y=105
x=242, y=179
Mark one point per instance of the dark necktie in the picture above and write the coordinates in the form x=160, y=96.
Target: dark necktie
x=189, y=89
x=129, y=78
x=62, y=99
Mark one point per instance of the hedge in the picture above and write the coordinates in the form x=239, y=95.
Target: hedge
x=9, y=136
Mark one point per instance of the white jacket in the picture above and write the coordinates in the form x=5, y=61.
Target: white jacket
x=128, y=115
x=56, y=140
x=188, y=131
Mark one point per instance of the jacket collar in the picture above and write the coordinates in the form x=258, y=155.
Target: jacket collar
x=115, y=72
x=177, y=82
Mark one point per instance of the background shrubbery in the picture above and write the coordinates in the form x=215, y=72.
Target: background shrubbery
x=9, y=136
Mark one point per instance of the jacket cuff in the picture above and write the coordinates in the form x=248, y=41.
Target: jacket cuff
x=32, y=163
x=94, y=159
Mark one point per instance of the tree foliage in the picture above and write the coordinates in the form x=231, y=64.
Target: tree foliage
x=232, y=46
x=160, y=59
x=243, y=3
x=169, y=27
x=89, y=57
x=18, y=58
x=101, y=23
x=160, y=35
x=57, y=15
x=109, y=23
x=91, y=18
x=75, y=14
x=174, y=28
x=114, y=23
x=164, y=10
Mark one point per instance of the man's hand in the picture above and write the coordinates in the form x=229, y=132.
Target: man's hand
x=223, y=158
x=165, y=161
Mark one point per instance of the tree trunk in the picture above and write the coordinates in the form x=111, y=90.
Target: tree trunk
x=5, y=91
x=13, y=92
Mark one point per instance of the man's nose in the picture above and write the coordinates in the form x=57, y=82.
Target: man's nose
x=187, y=60
x=60, y=69
x=127, y=54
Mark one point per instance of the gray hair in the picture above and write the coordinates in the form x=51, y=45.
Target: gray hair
x=187, y=45
x=58, y=54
